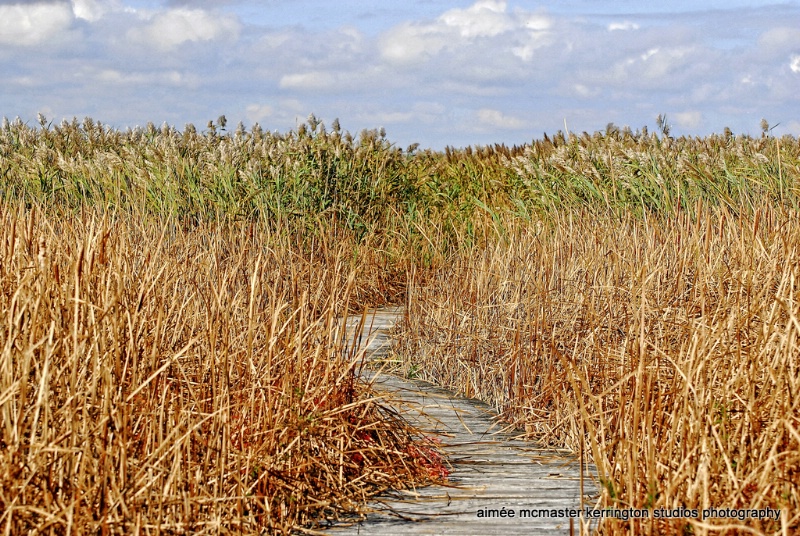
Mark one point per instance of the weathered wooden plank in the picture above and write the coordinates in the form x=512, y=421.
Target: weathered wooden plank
x=490, y=469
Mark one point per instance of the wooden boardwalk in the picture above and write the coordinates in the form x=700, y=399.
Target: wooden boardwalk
x=491, y=473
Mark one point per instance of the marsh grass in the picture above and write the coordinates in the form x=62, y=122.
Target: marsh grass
x=626, y=295
x=666, y=349
x=154, y=380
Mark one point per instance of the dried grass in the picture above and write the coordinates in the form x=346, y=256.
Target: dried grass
x=160, y=381
x=672, y=342
x=629, y=293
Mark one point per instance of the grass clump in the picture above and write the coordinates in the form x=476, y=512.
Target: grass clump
x=665, y=349
x=155, y=380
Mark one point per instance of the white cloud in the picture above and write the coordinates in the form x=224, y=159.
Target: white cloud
x=703, y=92
x=385, y=118
x=258, y=112
x=24, y=81
x=341, y=74
x=275, y=40
x=483, y=72
x=171, y=78
x=525, y=52
x=779, y=40
x=423, y=112
x=649, y=54
x=410, y=43
x=33, y=24
x=518, y=33
x=308, y=81
x=623, y=26
x=654, y=66
x=584, y=91
x=485, y=18
x=92, y=10
x=497, y=119
x=173, y=27
x=794, y=64
x=537, y=22
x=689, y=119
x=450, y=85
x=286, y=113
x=662, y=62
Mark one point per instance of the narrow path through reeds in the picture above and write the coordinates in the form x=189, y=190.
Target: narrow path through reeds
x=490, y=473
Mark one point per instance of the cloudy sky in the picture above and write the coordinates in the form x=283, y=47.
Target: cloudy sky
x=429, y=71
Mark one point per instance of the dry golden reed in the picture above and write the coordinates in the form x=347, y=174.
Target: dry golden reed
x=624, y=293
x=667, y=349
x=155, y=380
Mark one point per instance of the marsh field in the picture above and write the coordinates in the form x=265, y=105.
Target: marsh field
x=172, y=362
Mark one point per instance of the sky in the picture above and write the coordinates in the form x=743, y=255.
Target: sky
x=431, y=72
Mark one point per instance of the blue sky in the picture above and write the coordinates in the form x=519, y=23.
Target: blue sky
x=428, y=71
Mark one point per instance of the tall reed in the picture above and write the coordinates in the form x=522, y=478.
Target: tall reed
x=665, y=348
x=155, y=380
x=625, y=292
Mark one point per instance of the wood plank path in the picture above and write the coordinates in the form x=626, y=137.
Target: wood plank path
x=490, y=470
